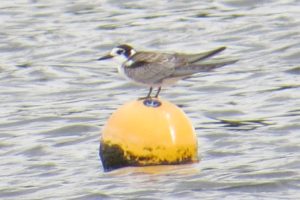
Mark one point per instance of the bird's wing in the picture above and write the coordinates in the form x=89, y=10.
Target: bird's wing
x=198, y=62
x=205, y=66
x=150, y=67
x=194, y=58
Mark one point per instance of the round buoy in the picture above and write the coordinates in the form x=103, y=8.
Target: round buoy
x=147, y=132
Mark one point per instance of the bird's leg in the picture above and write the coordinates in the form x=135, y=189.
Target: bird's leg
x=158, y=91
x=148, y=95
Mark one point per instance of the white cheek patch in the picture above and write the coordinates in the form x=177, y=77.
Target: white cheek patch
x=120, y=59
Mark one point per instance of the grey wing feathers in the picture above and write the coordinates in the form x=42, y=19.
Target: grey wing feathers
x=201, y=67
x=152, y=67
x=198, y=63
x=155, y=67
x=202, y=56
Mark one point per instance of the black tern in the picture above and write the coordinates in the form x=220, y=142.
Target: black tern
x=157, y=69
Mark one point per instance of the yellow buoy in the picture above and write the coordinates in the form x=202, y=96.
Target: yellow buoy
x=149, y=132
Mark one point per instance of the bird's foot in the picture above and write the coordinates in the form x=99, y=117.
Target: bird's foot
x=144, y=98
x=148, y=97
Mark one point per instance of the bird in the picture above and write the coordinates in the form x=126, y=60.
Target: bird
x=161, y=69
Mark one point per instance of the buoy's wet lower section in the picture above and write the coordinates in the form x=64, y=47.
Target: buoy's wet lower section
x=114, y=157
x=147, y=132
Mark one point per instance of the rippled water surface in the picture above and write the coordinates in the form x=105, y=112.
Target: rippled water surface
x=55, y=97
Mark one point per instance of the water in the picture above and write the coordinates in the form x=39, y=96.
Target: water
x=55, y=97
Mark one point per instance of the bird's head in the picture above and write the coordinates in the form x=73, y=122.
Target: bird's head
x=120, y=53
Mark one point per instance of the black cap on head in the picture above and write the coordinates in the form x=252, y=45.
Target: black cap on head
x=127, y=49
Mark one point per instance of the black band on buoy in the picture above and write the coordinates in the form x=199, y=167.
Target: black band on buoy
x=152, y=103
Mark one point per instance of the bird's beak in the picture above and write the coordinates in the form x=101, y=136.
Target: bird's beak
x=105, y=57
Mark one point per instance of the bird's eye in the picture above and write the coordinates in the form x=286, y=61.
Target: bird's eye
x=120, y=51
